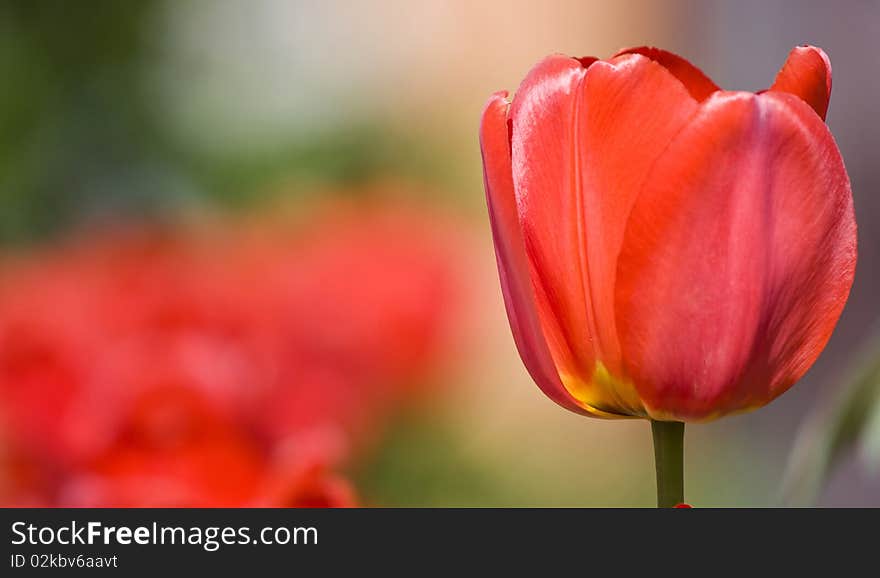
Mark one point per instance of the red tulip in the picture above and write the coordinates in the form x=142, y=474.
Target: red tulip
x=667, y=249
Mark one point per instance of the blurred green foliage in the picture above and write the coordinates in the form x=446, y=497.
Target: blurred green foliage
x=80, y=137
x=422, y=464
x=72, y=121
x=849, y=422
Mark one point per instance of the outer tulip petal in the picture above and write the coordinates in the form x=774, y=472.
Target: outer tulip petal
x=513, y=267
x=698, y=84
x=737, y=259
x=627, y=114
x=542, y=144
x=806, y=74
x=582, y=145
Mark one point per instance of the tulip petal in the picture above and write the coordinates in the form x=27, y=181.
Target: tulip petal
x=513, y=267
x=543, y=138
x=737, y=258
x=697, y=83
x=629, y=111
x=582, y=144
x=807, y=75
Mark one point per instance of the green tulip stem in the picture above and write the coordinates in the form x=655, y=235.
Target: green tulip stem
x=669, y=461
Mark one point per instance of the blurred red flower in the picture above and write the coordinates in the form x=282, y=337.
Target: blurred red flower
x=238, y=366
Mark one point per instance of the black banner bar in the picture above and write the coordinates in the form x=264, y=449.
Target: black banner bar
x=334, y=541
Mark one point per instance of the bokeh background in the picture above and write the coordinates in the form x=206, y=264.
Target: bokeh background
x=246, y=260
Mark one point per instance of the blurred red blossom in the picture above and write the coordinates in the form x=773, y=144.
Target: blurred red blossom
x=228, y=365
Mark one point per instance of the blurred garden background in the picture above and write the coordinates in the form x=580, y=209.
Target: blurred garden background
x=245, y=259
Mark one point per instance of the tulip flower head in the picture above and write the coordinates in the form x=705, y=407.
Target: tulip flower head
x=667, y=249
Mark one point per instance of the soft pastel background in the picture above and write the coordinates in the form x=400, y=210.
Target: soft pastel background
x=246, y=261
